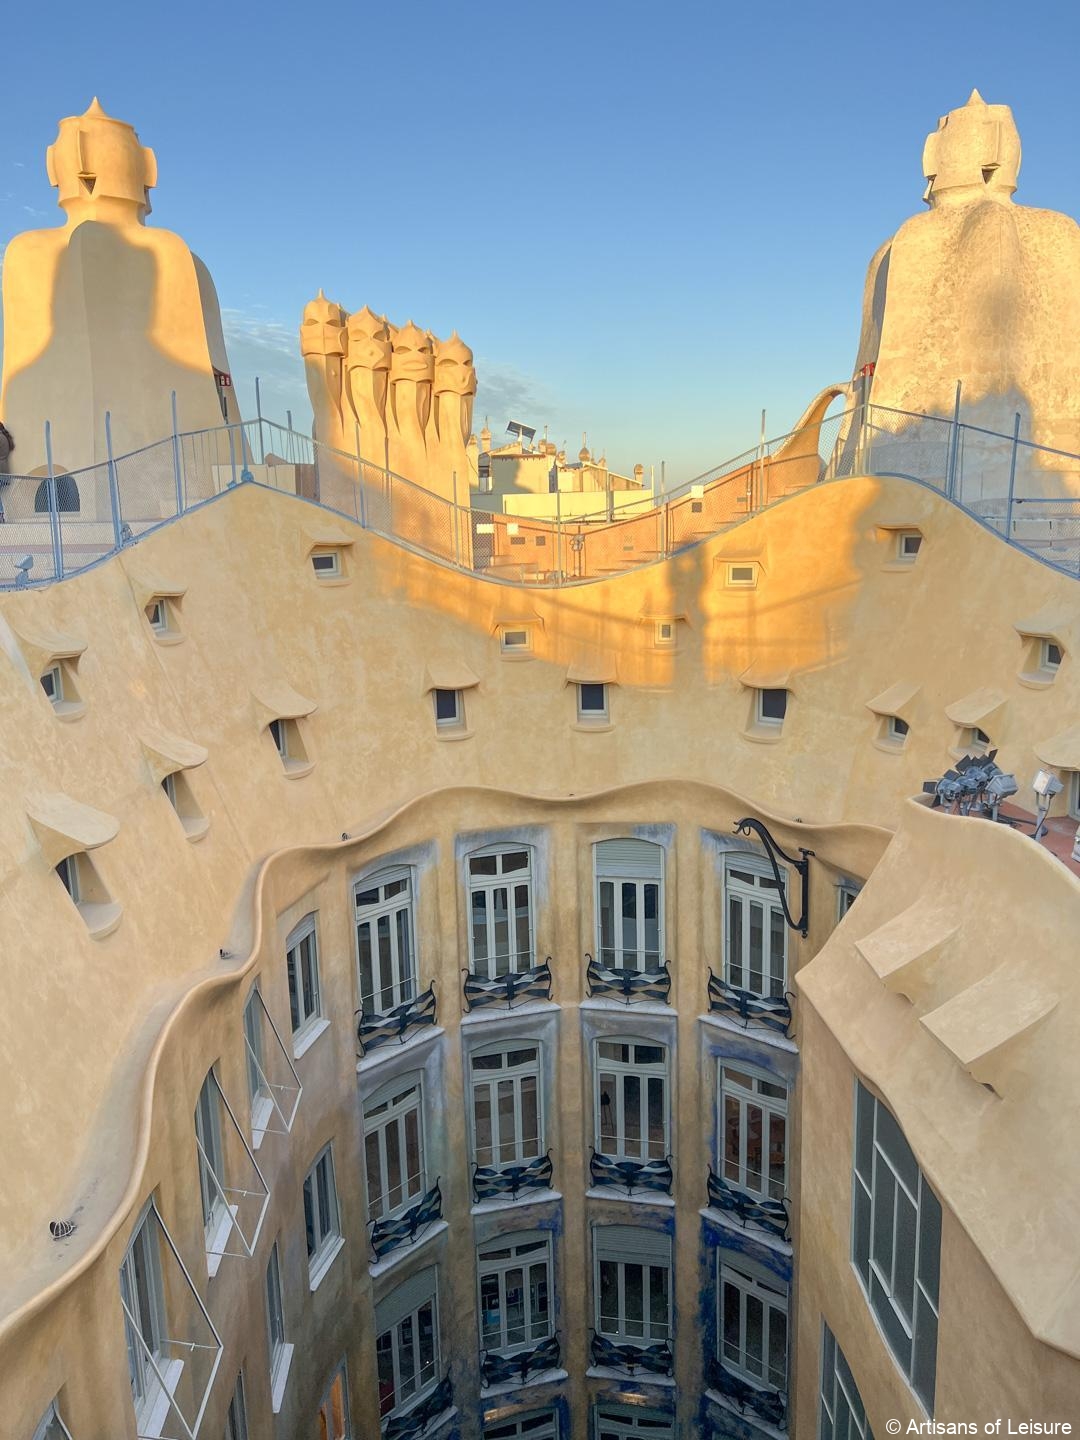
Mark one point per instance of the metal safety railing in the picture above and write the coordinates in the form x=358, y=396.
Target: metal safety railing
x=55, y=524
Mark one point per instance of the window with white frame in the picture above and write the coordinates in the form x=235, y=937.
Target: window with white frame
x=1050, y=655
x=755, y=953
x=142, y=1293
x=516, y=639
x=632, y=1284
x=753, y=1322
x=211, y=1160
x=515, y=1291
x=334, y=1421
x=897, y=729
x=326, y=562
x=68, y=871
x=255, y=1057
x=847, y=892
x=407, y=1341
x=275, y=1316
x=896, y=1241
x=302, y=967
x=632, y=1099
x=742, y=576
x=535, y=1425
x=51, y=1426
x=394, y=1147
x=592, y=704
x=975, y=740
x=908, y=545
x=629, y=904
x=384, y=940
x=665, y=634
x=500, y=911
x=236, y=1427
x=507, y=1108
x=770, y=707
x=631, y=1422
x=841, y=1413
x=322, y=1225
x=52, y=682
x=449, y=708
x=754, y=1110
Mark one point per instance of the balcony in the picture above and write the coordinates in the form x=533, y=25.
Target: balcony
x=517, y=987
x=648, y=1359
x=491, y=1183
x=387, y=1235
x=767, y=1404
x=496, y=1369
x=631, y=1175
x=632, y=985
x=395, y=1026
x=771, y=1215
x=415, y=1421
x=747, y=1008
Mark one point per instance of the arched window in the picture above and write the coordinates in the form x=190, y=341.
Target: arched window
x=632, y=1098
x=516, y=1303
x=394, y=1146
x=67, y=496
x=384, y=940
x=500, y=911
x=507, y=1106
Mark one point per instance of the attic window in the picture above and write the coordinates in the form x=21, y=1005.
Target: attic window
x=908, y=545
x=59, y=684
x=515, y=639
x=592, y=703
x=742, y=576
x=157, y=615
x=80, y=878
x=287, y=737
x=182, y=799
x=893, y=731
x=770, y=707
x=974, y=741
x=449, y=709
x=665, y=634
x=326, y=563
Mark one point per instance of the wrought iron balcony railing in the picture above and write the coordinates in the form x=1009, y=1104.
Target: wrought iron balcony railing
x=630, y=984
x=650, y=1359
x=387, y=1235
x=748, y=1008
x=770, y=1215
x=631, y=1175
x=374, y=1028
x=518, y=987
x=496, y=1369
x=766, y=1402
x=414, y=1422
x=492, y=1183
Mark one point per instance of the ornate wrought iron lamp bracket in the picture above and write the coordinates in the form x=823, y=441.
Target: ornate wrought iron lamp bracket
x=772, y=850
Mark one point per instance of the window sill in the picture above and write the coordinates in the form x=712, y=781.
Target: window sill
x=758, y=1033
x=279, y=1377
x=764, y=734
x=898, y=567
x=508, y=1387
x=751, y=1232
x=322, y=1263
x=889, y=747
x=454, y=733
x=195, y=829
x=730, y=1408
x=68, y=710
x=261, y=1112
x=644, y=1197
x=330, y=582
x=154, y=1411
x=167, y=637
x=525, y=1199
x=303, y=1041
x=101, y=920
x=297, y=769
x=486, y=1014
x=1037, y=679
x=395, y=1257
x=215, y=1240
x=390, y=1052
x=609, y=1372
x=620, y=1007
x=593, y=727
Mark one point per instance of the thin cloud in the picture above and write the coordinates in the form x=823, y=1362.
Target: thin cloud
x=244, y=328
x=505, y=393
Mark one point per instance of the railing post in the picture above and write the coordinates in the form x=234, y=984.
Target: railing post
x=54, y=516
x=259, y=417
x=232, y=455
x=177, y=476
x=114, y=488
x=359, y=477
x=761, y=470
x=1012, y=477
x=954, y=445
x=558, y=536
x=457, y=525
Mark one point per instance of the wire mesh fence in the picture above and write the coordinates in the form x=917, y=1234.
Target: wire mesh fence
x=58, y=525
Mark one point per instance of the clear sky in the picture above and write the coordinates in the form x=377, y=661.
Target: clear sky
x=649, y=221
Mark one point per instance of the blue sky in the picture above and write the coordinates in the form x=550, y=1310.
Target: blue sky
x=649, y=221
